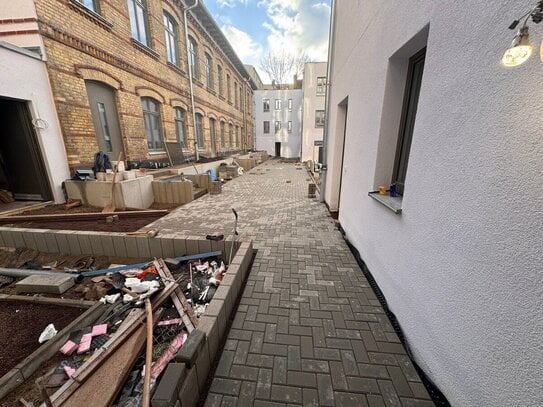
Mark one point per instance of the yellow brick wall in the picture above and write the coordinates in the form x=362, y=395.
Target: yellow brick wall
x=82, y=45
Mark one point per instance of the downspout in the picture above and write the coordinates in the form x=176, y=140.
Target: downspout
x=327, y=102
x=245, y=81
x=187, y=9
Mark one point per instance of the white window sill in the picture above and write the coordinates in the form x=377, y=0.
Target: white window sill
x=392, y=203
x=157, y=152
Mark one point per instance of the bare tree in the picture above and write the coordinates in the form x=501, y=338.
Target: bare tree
x=281, y=67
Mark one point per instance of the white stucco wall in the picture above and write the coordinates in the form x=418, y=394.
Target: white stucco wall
x=462, y=266
x=290, y=142
x=20, y=16
x=25, y=78
x=311, y=103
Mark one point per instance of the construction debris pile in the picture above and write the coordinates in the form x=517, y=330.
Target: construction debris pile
x=149, y=311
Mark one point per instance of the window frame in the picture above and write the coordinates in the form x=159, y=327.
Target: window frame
x=147, y=122
x=170, y=34
x=320, y=121
x=193, y=58
x=277, y=125
x=278, y=104
x=199, y=130
x=213, y=132
x=289, y=126
x=265, y=102
x=230, y=134
x=236, y=94
x=290, y=105
x=208, y=67
x=180, y=123
x=222, y=133
x=135, y=23
x=95, y=5
x=228, y=90
x=415, y=72
x=321, y=87
x=237, y=136
x=266, y=129
x=219, y=80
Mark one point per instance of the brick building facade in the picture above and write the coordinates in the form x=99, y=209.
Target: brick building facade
x=119, y=74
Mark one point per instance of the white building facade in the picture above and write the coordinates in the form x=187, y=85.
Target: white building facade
x=313, y=111
x=421, y=100
x=278, y=119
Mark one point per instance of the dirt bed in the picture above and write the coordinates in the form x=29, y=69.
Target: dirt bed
x=121, y=225
x=21, y=325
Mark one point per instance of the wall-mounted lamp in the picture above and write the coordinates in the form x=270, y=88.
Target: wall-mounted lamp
x=521, y=49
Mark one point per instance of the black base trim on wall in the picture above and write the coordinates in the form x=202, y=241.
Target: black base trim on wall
x=437, y=397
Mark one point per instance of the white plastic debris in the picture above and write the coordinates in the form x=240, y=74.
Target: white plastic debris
x=127, y=298
x=202, y=267
x=47, y=333
x=112, y=299
x=139, y=287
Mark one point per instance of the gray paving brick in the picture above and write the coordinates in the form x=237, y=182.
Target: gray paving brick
x=286, y=394
x=301, y=379
x=244, y=373
x=389, y=394
x=225, y=363
x=310, y=397
x=326, y=354
x=339, y=381
x=362, y=385
x=416, y=403
x=350, y=399
x=376, y=371
x=213, y=400
x=294, y=358
x=274, y=349
x=225, y=386
x=325, y=390
x=311, y=365
x=247, y=394
x=279, y=370
x=240, y=357
x=260, y=360
x=263, y=384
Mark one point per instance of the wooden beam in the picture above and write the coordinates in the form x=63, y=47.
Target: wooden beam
x=80, y=216
x=48, y=300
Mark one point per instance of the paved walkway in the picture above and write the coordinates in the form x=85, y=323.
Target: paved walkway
x=309, y=329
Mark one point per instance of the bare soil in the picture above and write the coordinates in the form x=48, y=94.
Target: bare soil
x=121, y=225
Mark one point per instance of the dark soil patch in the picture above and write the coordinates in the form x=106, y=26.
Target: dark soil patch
x=21, y=325
x=121, y=225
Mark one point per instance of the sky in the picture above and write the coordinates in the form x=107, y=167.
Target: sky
x=256, y=27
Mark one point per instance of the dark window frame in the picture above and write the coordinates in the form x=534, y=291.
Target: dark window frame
x=153, y=143
x=208, y=66
x=199, y=128
x=180, y=125
x=265, y=105
x=139, y=5
x=320, y=119
x=171, y=38
x=266, y=126
x=193, y=58
x=415, y=72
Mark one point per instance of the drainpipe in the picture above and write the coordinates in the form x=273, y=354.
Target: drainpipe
x=187, y=9
x=327, y=101
x=245, y=81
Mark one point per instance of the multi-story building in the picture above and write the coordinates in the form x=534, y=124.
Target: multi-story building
x=422, y=102
x=119, y=72
x=278, y=119
x=254, y=76
x=313, y=111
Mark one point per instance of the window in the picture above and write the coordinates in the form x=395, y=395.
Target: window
x=105, y=126
x=219, y=79
x=277, y=126
x=90, y=4
x=319, y=118
x=235, y=94
x=228, y=92
x=170, y=32
x=266, y=127
x=193, y=58
x=231, y=135
x=212, y=133
x=199, y=131
x=223, y=141
x=290, y=105
x=208, y=62
x=289, y=127
x=237, y=136
x=138, y=20
x=277, y=104
x=240, y=99
x=153, y=123
x=180, y=126
x=321, y=86
x=407, y=123
x=266, y=105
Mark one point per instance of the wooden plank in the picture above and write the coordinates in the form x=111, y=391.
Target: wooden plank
x=178, y=298
x=101, y=388
x=81, y=216
x=48, y=300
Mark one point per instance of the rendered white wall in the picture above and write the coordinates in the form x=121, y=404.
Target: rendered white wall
x=290, y=142
x=311, y=103
x=25, y=78
x=462, y=266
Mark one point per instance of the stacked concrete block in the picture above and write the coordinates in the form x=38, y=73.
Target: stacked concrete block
x=247, y=163
x=173, y=192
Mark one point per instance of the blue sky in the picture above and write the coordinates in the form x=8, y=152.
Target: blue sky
x=255, y=27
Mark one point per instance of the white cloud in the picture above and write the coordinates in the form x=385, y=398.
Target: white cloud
x=248, y=51
x=298, y=26
x=230, y=3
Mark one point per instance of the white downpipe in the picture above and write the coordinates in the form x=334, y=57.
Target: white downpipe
x=327, y=102
x=196, y=146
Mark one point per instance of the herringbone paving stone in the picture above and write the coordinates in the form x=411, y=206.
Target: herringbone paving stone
x=309, y=329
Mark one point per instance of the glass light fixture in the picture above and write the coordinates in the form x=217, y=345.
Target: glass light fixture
x=520, y=49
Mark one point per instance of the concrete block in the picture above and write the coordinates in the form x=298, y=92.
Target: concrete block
x=50, y=241
x=217, y=310
x=131, y=246
x=167, y=247
x=39, y=238
x=179, y=246
x=18, y=238
x=210, y=326
x=49, y=284
x=62, y=242
x=204, y=245
x=224, y=292
x=167, y=390
x=7, y=237
x=85, y=244
x=119, y=245
x=107, y=244
x=190, y=392
x=217, y=246
x=203, y=365
x=192, y=245
x=155, y=247
x=73, y=243
x=30, y=242
x=9, y=381
x=96, y=244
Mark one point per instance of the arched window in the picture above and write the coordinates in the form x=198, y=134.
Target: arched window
x=237, y=136
x=231, y=135
x=170, y=33
x=180, y=126
x=223, y=140
x=228, y=92
x=212, y=133
x=219, y=79
x=199, y=131
x=193, y=58
x=235, y=94
x=208, y=62
x=138, y=20
x=153, y=123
